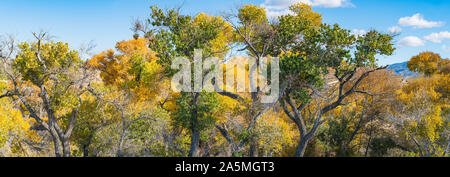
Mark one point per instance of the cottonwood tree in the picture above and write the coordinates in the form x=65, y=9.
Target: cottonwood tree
x=95, y=115
x=421, y=110
x=427, y=63
x=308, y=61
x=49, y=79
x=258, y=37
x=176, y=35
x=422, y=115
x=349, y=130
x=132, y=84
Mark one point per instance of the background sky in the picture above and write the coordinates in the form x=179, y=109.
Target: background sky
x=423, y=25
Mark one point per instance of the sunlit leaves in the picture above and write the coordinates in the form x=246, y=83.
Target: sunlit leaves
x=54, y=57
x=134, y=67
x=14, y=129
x=428, y=63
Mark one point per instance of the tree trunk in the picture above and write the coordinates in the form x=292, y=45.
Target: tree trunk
x=121, y=142
x=301, y=148
x=86, y=145
x=85, y=150
x=253, y=148
x=195, y=132
x=195, y=141
x=57, y=145
x=66, y=147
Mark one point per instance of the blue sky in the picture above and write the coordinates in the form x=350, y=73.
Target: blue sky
x=424, y=25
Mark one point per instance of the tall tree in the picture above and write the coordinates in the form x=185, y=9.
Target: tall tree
x=48, y=78
x=133, y=83
x=176, y=35
x=307, y=62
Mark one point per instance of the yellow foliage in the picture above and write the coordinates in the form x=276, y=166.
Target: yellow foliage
x=134, y=67
x=428, y=63
x=305, y=12
x=275, y=133
x=13, y=126
x=425, y=97
x=219, y=44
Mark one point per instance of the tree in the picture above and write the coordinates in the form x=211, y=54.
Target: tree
x=350, y=128
x=307, y=62
x=133, y=82
x=176, y=35
x=428, y=63
x=259, y=38
x=421, y=113
x=94, y=116
x=48, y=79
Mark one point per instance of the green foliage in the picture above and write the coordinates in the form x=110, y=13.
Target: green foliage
x=147, y=134
x=204, y=111
x=56, y=58
x=179, y=35
x=129, y=110
x=338, y=131
x=380, y=146
x=370, y=45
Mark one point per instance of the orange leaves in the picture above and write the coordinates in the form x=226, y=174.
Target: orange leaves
x=133, y=46
x=133, y=67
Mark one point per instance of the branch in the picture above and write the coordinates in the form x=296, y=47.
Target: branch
x=299, y=120
x=226, y=135
x=351, y=91
x=231, y=95
x=72, y=121
x=7, y=94
x=364, y=92
x=40, y=38
x=33, y=113
x=287, y=111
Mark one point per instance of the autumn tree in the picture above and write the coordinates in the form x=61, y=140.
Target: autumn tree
x=352, y=129
x=176, y=35
x=428, y=63
x=133, y=85
x=48, y=79
x=307, y=62
x=421, y=110
x=258, y=37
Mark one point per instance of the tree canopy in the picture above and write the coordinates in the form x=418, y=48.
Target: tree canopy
x=334, y=99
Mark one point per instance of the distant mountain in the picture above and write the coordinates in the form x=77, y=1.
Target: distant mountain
x=402, y=69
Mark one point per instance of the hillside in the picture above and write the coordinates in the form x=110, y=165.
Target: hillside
x=402, y=69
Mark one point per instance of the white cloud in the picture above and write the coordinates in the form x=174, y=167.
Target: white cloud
x=331, y=3
x=276, y=8
x=445, y=48
x=438, y=37
x=395, y=29
x=277, y=5
x=418, y=21
x=271, y=14
x=359, y=32
x=411, y=41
